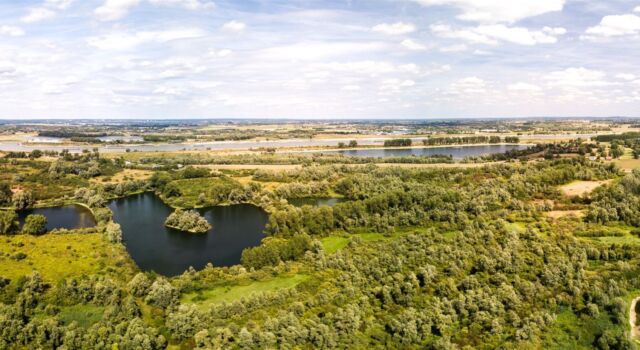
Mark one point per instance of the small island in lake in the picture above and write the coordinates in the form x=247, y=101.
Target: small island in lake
x=188, y=221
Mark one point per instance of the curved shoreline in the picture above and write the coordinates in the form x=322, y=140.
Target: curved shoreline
x=188, y=231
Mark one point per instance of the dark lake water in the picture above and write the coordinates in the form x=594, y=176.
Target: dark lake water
x=170, y=252
x=67, y=217
x=457, y=152
x=314, y=201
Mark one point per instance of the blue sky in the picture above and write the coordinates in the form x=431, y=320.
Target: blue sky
x=318, y=59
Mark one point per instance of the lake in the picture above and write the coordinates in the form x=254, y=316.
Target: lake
x=457, y=152
x=315, y=201
x=170, y=252
x=66, y=217
x=18, y=146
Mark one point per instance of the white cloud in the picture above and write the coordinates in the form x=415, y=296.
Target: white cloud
x=220, y=53
x=47, y=10
x=316, y=51
x=113, y=10
x=38, y=14
x=398, y=28
x=496, y=11
x=454, y=48
x=351, y=88
x=125, y=41
x=187, y=4
x=11, y=31
x=412, y=45
x=468, y=85
x=58, y=4
x=637, y=9
x=523, y=87
x=396, y=85
x=615, y=25
x=577, y=78
x=494, y=33
x=469, y=35
x=626, y=76
x=234, y=26
x=555, y=30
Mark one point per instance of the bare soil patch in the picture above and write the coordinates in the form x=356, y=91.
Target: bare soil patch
x=580, y=188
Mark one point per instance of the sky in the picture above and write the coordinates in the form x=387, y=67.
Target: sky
x=318, y=59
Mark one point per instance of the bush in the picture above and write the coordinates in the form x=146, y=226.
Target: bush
x=35, y=224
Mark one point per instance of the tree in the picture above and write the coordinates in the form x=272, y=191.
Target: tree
x=5, y=194
x=162, y=294
x=35, y=224
x=139, y=285
x=113, y=232
x=8, y=222
x=35, y=154
x=22, y=200
x=202, y=198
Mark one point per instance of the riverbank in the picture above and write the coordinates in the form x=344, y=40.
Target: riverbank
x=192, y=231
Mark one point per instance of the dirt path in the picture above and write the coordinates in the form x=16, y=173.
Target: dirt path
x=635, y=330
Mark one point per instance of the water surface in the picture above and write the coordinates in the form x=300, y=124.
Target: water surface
x=457, y=152
x=170, y=252
x=67, y=217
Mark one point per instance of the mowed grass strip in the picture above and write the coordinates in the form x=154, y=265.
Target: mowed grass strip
x=231, y=293
x=84, y=315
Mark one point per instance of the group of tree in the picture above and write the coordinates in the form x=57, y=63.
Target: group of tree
x=463, y=140
x=34, y=224
x=188, y=221
x=350, y=144
x=398, y=143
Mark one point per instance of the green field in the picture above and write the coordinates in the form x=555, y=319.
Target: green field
x=231, y=293
x=58, y=256
x=214, y=189
x=334, y=243
x=84, y=315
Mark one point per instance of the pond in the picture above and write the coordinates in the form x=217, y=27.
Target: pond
x=457, y=152
x=315, y=201
x=170, y=252
x=67, y=217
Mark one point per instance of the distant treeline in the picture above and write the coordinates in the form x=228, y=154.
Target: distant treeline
x=434, y=141
x=164, y=163
x=624, y=136
x=398, y=143
x=70, y=134
x=163, y=138
x=454, y=140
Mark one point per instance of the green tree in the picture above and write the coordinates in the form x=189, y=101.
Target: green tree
x=113, y=232
x=22, y=200
x=35, y=224
x=5, y=194
x=8, y=222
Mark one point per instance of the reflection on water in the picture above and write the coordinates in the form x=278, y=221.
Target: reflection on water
x=67, y=217
x=170, y=252
x=457, y=152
